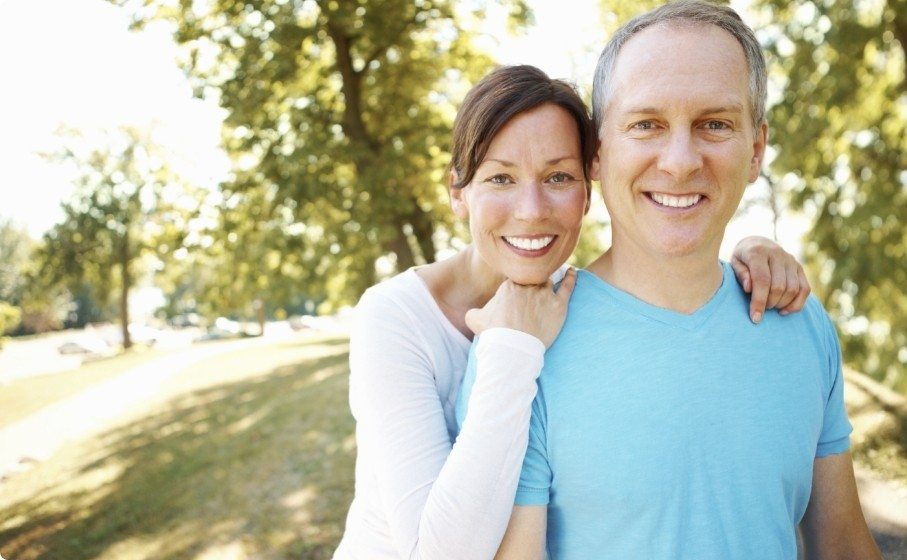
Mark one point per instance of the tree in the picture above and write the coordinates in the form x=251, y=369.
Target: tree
x=338, y=122
x=840, y=129
x=127, y=203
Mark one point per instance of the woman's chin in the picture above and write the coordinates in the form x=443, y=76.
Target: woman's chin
x=529, y=278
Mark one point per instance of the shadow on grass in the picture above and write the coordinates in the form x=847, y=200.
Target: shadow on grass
x=261, y=468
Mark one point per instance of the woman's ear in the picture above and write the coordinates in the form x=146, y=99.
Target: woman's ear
x=457, y=200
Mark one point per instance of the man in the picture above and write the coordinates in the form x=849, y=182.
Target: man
x=667, y=425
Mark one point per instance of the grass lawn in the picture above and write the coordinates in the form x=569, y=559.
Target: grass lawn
x=243, y=462
x=245, y=457
x=22, y=397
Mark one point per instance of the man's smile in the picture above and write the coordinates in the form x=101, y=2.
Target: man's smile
x=672, y=201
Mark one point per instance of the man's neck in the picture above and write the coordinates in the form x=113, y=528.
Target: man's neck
x=679, y=283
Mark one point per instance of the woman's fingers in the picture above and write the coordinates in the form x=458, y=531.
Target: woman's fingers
x=761, y=282
x=791, y=284
x=743, y=274
x=778, y=272
x=565, y=290
x=803, y=290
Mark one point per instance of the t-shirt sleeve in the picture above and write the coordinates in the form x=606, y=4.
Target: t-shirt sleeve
x=836, y=428
x=535, y=479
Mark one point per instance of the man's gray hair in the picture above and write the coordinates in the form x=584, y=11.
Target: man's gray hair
x=692, y=12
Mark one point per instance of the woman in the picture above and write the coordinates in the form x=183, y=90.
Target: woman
x=522, y=145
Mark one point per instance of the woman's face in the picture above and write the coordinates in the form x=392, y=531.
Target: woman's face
x=526, y=201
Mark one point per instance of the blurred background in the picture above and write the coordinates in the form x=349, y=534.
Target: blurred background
x=194, y=193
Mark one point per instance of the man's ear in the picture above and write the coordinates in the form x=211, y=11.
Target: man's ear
x=594, y=169
x=759, y=144
x=457, y=200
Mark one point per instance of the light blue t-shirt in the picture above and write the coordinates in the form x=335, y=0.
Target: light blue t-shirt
x=660, y=435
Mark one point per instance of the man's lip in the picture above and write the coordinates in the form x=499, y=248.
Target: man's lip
x=651, y=195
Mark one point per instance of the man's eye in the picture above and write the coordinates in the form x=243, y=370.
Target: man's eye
x=717, y=125
x=644, y=125
x=560, y=177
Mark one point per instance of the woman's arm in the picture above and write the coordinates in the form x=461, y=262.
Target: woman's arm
x=441, y=501
x=771, y=275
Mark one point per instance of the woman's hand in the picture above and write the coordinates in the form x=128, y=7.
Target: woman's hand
x=771, y=275
x=536, y=310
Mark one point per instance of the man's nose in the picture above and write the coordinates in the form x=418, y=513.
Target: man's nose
x=680, y=157
x=532, y=204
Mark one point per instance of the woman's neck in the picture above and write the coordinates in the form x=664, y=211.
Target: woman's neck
x=460, y=283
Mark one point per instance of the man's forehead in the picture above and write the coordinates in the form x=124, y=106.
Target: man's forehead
x=663, y=42
x=685, y=61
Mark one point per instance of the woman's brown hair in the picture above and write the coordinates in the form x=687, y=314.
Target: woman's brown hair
x=502, y=95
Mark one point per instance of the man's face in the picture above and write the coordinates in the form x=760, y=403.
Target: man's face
x=677, y=143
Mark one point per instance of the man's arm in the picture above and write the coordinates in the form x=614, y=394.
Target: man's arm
x=525, y=536
x=833, y=526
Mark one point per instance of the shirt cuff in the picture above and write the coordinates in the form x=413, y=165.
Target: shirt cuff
x=512, y=338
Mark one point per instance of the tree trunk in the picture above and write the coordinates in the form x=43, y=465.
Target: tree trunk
x=258, y=305
x=400, y=247
x=124, y=293
x=365, y=149
x=424, y=232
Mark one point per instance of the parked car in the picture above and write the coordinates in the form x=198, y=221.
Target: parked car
x=84, y=345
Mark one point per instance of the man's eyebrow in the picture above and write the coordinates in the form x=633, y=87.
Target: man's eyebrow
x=732, y=108
x=648, y=110
x=641, y=110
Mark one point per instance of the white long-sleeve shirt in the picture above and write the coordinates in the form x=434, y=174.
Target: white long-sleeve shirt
x=418, y=495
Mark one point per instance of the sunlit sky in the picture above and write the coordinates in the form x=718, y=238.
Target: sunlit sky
x=75, y=62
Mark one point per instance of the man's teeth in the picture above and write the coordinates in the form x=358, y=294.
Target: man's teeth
x=530, y=243
x=676, y=201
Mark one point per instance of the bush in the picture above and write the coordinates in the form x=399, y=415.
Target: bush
x=9, y=319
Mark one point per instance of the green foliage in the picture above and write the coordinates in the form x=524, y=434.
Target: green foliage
x=9, y=319
x=338, y=124
x=841, y=132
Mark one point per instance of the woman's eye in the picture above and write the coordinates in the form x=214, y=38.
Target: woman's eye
x=644, y=125
x=560, y=177
x=499, y=179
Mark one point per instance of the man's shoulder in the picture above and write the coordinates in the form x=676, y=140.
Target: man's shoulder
x=813, y=316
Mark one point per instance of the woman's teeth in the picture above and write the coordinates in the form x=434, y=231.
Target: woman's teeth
x=530, y=243
x=676, y=201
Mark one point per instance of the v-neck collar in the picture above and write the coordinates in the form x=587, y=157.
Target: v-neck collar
x=633, y=304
